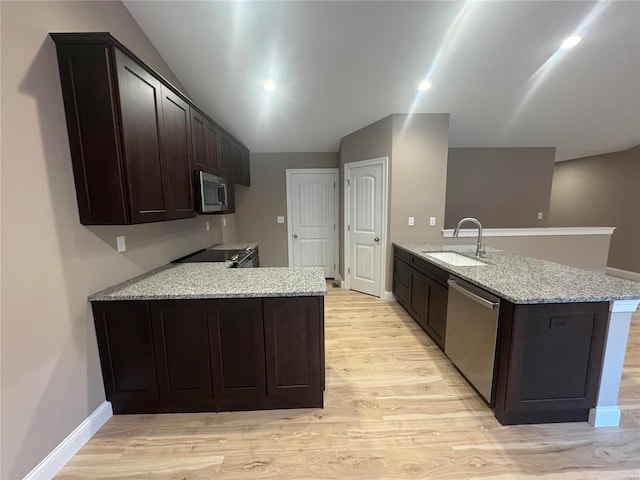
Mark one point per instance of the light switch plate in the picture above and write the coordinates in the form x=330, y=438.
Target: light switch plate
x=122, y=246
x=432, y=221
x=539, y=215
x=412, y=221
x=207, y=226
x=280, y=219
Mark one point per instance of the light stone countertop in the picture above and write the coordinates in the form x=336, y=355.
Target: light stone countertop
x=234, y=246
x=215, y=280
x=526, y=280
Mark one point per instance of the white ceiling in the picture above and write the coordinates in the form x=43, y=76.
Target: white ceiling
x=340, y=66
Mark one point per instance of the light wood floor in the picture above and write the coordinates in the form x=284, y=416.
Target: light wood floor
x=394, y=409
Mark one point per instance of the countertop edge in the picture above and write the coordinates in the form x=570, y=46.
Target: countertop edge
x=213, y=296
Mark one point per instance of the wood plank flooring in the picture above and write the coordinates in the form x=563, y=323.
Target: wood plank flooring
x=394, y=409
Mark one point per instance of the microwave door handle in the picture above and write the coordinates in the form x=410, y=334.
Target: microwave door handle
x=224, y=194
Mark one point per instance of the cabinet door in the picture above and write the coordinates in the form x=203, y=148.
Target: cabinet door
x=245, y=168
x=125, y=344
x=549, y=361
x=147, y=182
x=205, y=144
x=437, y=312
x=87, y=87
x=181, y=339
x=294, y=333
x=213, y=150
x=226, y=154
x=237, y=350
x=176, y=149
x=401, y=281
x=418, y=297
x=240, y=164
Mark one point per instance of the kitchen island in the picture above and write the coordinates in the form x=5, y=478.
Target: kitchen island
x=202, y=337
x=561, y=336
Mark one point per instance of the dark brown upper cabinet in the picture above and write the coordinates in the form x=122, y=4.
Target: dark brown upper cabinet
x=134, y=138
x=226, y=159
x=205, y=141
x=241, y=174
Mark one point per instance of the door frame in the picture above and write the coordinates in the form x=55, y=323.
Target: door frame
x=384, y=161
x=336, y=179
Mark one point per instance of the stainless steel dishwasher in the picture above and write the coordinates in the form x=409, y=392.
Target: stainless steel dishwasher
x=472, y=327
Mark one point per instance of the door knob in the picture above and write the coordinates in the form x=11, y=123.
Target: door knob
x=377, y=239
x=295, y=236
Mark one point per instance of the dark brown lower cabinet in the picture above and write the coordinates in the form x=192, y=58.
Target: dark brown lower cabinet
x=183, y=366
x=125, y=342
x=236, y=336
x=549, y=361
x=211, y=355
x=294, y=350
x=436, y=322
x=423, y=296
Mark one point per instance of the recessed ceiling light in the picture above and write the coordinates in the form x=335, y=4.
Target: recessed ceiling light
x=424, y=85
x=269, y=86
x=571, y=42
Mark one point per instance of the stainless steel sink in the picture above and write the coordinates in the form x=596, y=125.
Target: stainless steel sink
x=455, y=259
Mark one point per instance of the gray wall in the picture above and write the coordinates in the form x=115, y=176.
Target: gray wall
x=602, y=190
x=418, y=176
x=501, y=187
x=417, y=149
x=259, y=205
x=51, y=379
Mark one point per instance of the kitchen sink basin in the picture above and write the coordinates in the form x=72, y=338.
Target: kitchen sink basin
x=453, y=258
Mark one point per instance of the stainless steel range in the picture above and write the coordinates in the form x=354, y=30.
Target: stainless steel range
x=239, y=258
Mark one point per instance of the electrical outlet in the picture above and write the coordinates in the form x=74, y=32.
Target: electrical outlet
x=411, y=221
x=122, y=246
x=207, y=226
x=539, y=215
x=280, y=219
x=432, y=221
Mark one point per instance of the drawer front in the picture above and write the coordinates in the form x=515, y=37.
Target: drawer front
x=432, y=271
x=402, y=254
x=401, y=271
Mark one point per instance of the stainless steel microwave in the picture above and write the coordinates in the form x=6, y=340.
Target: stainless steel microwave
x=211, y=193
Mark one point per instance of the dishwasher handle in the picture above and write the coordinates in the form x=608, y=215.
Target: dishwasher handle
x=476, y=298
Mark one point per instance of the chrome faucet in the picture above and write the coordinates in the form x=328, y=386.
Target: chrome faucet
x=480, y=251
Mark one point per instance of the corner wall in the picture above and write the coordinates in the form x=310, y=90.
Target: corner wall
x=602, y=190
x=259, y=205
x=50, y=372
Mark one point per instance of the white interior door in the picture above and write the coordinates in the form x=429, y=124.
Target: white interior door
x=366, y=225
x=311, y=204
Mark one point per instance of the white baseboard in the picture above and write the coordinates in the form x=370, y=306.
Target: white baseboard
x=388, y=296
x=616, y=272
x=58, y=458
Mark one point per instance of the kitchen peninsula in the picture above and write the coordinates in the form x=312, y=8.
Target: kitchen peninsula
x=561, y=331
x=202, y=337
